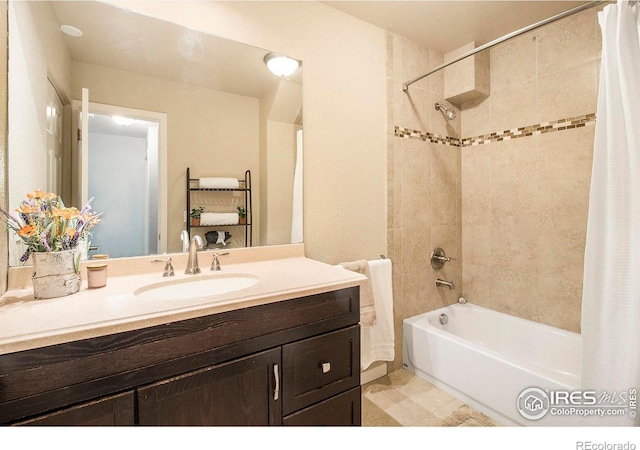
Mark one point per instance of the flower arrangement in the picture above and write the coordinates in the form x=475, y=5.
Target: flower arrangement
x=45, y=224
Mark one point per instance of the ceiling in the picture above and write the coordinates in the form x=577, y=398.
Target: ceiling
x=117, y=38
x=444, y=26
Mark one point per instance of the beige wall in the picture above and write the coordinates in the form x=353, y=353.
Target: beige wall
x=214, y=133
x=525, y=200
x=423, y=181
x=344, y=110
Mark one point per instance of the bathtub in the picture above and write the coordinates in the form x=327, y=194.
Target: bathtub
x=487, y=359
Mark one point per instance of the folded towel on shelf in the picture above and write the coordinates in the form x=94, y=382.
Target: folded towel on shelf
x=218, y=183
x=377, y=342
x=367, y=306
x=213, y=219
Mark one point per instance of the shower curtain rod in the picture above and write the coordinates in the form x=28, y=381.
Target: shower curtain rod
x=577, y=9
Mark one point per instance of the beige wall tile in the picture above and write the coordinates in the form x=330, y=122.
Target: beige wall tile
x=412, y=109
x=476, y=284
x=568, y=43
x=476, y=246
x=513, y=62
x=416, y=161
x=514, y=161
x=414, y=62
x=514, y=106
x=566, y=155
x=475, y=118
x=437, y=79
x=569, y=93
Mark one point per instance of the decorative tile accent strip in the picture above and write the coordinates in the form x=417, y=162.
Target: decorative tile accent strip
x=532, y=130
x=407, y=133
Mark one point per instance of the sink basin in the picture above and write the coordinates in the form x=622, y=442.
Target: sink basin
x=198, y=286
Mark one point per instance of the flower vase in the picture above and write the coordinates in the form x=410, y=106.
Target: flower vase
x=55, y=274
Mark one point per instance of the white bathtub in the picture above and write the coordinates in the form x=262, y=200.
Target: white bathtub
x=487, y=358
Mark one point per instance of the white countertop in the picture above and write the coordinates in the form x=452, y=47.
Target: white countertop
x=27, y=323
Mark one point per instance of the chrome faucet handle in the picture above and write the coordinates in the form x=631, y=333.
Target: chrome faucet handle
x=215, y=264
x=168, y=267
x=438, y=258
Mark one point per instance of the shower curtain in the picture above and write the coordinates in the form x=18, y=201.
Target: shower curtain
x=611, y=287
x=296, y=216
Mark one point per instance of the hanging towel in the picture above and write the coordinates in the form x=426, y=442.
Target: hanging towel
x=212, y=219
x=377, y=342
x=219, y=183
x=367, y=306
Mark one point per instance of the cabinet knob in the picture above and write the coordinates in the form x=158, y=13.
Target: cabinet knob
x=326, y=367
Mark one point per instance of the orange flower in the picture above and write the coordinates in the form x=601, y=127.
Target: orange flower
x=70, y=232
x=67, y=213
x=26, y=209
x=27, y=230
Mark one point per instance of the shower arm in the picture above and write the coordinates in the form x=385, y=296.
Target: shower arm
x=577, y=9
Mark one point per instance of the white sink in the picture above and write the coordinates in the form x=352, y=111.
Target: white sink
x=197, y=286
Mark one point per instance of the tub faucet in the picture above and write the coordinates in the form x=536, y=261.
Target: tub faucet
x=440, y=282
x=184, y=237
x=192, y=265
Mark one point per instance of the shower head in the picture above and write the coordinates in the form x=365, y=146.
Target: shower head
x=447, y=112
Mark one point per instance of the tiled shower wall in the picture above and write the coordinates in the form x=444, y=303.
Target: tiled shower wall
x=525, y=193
x=424, y=192
x=504, y=187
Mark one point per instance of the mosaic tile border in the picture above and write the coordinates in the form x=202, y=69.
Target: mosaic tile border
x=515, y=133
x=407, y=133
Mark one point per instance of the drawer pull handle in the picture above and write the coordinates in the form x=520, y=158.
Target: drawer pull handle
x=326, y=367
x=276, y=375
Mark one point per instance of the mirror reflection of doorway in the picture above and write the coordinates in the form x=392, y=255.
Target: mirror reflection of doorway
x=123, y=179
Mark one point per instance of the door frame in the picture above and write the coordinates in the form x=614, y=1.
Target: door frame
x=150, y=116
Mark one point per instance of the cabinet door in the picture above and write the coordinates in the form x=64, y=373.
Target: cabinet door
x=113, y=410
x=241, y=392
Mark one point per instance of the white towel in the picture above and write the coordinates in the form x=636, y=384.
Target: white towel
x=367, y=302
x=377, y=342
x=219, y=183
x=213, y=219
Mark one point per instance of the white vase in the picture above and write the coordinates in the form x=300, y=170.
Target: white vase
x=55, y=274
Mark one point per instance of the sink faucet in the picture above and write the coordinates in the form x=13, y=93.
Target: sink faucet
x=184, y=237
x=192, y=265
x=215, y=263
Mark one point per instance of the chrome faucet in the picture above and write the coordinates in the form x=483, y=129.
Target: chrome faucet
x=192, y=265
x=184, y=237
x=440, y=282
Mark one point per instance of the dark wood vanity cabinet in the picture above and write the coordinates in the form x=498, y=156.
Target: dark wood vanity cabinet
x=294, y=362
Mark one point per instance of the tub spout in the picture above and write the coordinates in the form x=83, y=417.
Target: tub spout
x=440, y=282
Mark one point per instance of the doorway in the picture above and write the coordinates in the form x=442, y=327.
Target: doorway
x=126, y=177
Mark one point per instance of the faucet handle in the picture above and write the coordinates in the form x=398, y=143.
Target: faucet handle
x=215, y=264
x=168, y=267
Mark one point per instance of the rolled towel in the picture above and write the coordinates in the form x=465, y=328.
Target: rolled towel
x=213, y=219
x=219, y=183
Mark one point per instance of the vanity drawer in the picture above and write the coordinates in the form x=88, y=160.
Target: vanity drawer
x=342, y=410
x=317, y=368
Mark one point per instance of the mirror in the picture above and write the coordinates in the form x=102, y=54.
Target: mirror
x=223, y=111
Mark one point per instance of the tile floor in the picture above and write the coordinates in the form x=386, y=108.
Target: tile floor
x=401, y=399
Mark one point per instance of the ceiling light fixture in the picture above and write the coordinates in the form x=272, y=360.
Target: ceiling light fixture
x=280, y=65
x=71, y=30
x=124, y=121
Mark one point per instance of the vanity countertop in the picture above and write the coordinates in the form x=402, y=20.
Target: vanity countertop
x=27, y=323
